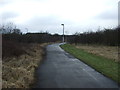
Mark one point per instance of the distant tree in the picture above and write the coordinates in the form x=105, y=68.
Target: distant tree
x=105, y=37
x=7, y=28
x=16, y=31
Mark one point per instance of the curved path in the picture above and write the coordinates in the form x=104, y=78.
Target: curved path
x=61, y=70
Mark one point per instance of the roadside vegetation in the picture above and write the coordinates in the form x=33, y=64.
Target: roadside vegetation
x=21, y=55
x=107, y=37
x=106, y=66
x=18, y=71
x=110, y=52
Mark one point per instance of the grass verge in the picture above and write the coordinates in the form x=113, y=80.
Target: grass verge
x=101, y=64
x=110, y=52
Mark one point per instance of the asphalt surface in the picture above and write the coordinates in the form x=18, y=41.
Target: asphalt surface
x=62, y=70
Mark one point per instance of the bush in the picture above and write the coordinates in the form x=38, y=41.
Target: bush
x=10, y=48
x=105, y=37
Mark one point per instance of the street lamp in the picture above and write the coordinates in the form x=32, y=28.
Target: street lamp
x=63, y=32
x=26, y=29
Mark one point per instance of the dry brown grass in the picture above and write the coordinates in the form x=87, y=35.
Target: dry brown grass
x=110, y=52
x=0, y=73
x=18, y=72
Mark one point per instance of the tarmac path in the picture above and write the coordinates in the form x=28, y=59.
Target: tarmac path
x=62, y=70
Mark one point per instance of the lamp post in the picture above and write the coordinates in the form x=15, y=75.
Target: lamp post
x=63, y=32
x=26, y=29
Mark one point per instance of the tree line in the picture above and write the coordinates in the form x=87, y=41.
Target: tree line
x=11, y=33
x=104, y=37
x=32, y=37
x=14, y=41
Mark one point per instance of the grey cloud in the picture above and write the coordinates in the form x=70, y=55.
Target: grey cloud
x=47, y=20
x=7, y=15
x=43, y=20
x=51, y=24
x=119, y=13
x=108, y=15
x=5, y=2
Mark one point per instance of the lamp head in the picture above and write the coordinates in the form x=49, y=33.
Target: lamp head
x=62, y=24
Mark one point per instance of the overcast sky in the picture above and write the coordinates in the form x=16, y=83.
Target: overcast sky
x=48, y=15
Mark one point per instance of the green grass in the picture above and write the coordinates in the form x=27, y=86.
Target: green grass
x=101, y=64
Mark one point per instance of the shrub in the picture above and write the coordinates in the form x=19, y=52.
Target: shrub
x=10, y=48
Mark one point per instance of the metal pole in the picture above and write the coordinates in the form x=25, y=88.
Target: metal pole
x=63, y=32
x=26, y=29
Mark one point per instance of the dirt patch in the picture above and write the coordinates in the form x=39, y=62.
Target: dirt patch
x=18, y=72
x=110, y=52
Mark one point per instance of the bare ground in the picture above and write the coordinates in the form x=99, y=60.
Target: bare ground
x=110, y=52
